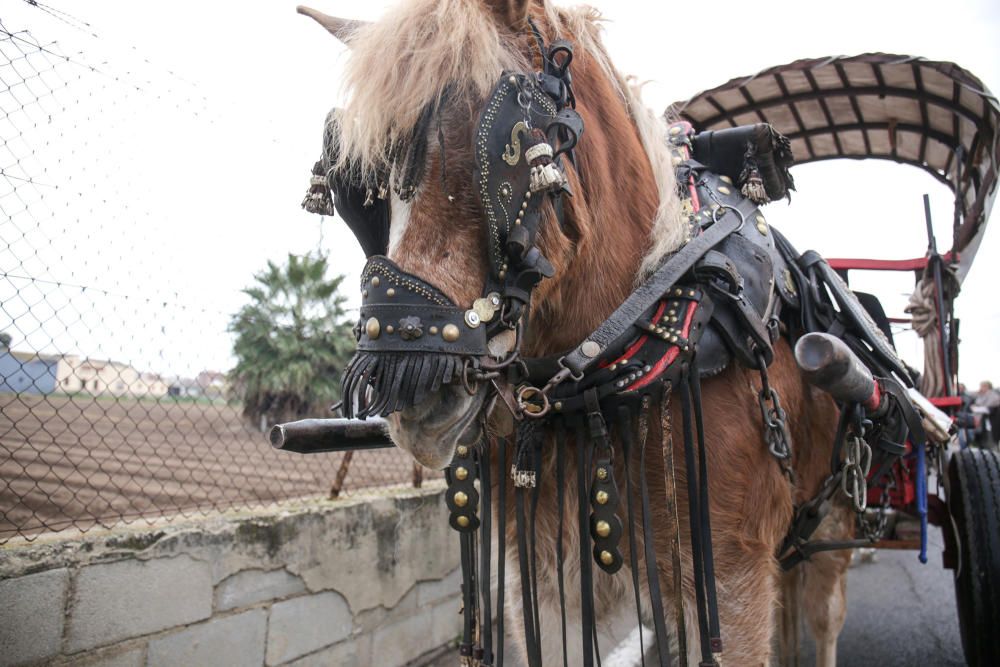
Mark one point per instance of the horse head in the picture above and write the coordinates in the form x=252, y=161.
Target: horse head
x=446, y=108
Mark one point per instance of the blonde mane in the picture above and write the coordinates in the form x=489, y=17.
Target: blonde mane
x=403, y=63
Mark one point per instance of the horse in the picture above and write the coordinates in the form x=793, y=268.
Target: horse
x=624, y=218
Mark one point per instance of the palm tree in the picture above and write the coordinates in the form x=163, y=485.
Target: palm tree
x=292, y=342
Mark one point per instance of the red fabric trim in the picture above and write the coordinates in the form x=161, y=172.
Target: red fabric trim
x=635, y=347
x=667, y=358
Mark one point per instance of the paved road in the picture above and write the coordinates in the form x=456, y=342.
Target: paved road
x=900, y=613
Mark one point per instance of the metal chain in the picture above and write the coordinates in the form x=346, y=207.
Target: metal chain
x=775, y=426
x=875, y=529
x=857, y=463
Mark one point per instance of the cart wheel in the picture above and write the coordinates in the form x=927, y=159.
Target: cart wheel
x=974, y=501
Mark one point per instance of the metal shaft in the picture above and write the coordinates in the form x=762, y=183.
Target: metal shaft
x=829, y=364
x=312, y=436
x=935, y=264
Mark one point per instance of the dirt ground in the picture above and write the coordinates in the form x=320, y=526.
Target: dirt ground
x=82, y=461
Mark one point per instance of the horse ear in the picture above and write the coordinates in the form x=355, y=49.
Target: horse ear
x=342, y=29
x=510, y=13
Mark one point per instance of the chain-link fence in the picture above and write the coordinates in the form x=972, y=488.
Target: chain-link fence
x=115, y=403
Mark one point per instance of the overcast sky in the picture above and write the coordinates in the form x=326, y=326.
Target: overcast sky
x=181, y=163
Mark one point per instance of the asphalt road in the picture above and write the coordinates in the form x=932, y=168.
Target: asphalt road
x=900, y=612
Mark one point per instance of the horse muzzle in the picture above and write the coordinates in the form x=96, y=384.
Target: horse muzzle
x=412, y=340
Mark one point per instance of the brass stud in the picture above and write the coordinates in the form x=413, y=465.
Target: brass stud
x=789, y=283
x=463, y=451
x=726, y=179
x=603, y=528
x=590, y=349
x=723, y=190
x=602, y=473
x=461, y=499
x=390, y=292
x=512, y=80
x=433, y=331
x=450, y=333
x=557, y=406
x=601, y=497
x=375, y=281
x=761, y=225
x=364, y=293
x=373, y=328
x=461, y=472
x=462, y=521
x=606, y=557
x=389, y=329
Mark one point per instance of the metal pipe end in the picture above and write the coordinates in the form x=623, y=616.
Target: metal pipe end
x=814, y=352
x=277, y=436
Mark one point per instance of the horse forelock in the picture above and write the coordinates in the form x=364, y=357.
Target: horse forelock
x=405, y=62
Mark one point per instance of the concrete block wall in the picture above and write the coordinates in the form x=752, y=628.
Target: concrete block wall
x=353, y=583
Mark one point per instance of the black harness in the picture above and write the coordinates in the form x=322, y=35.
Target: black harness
x=725, y=295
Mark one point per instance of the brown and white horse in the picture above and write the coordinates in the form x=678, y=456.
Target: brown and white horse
x=624, y=217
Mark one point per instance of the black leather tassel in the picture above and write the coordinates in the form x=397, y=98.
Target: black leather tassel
x=379, y=383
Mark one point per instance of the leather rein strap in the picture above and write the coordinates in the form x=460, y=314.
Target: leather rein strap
x=622, y=321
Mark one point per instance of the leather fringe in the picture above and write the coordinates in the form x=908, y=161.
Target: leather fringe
x=380, y=383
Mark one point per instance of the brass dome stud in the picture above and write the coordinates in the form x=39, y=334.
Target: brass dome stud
x=461, y=472
x=603, y=528
x=461, y=499
x=373, y=328
x=606, y=557
x=450, y=333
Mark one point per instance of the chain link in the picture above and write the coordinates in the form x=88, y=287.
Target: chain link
x=857, y=463
x=875, y=529
x=775, y=427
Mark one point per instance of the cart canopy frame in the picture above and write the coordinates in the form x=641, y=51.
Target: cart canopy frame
x=932, y=115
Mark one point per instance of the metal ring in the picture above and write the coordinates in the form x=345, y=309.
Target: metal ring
x=722, y=206
x=467, y=366
x=532, y=410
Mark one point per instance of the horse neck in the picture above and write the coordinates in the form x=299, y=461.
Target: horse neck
x=611, y=211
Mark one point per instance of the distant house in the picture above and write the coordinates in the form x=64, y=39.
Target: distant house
x=27, y=372
x=98, y=376
x=208, y=384
x=213, y=384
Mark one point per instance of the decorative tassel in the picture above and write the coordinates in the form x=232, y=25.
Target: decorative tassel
x=545, y=175
x=318, y=198
x=753, y=187
x=380, y=383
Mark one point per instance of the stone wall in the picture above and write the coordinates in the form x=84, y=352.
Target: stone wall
x=352, y=583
